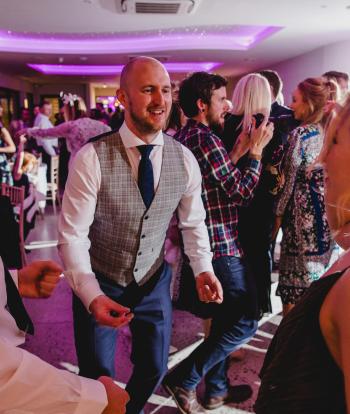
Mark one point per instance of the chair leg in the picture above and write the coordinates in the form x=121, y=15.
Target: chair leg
x=53, y=198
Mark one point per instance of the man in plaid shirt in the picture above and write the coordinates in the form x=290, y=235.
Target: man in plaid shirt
x=225, y=188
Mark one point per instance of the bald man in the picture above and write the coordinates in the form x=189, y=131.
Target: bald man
x=119, y=200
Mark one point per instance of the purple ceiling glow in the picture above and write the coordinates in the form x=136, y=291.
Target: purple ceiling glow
x=179, y=67
x=238, y=38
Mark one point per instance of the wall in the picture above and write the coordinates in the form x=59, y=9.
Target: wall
x=56, y=88
x=313, y=64
x=17, y=84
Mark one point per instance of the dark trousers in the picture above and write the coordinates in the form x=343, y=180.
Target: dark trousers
x=150, y=329
x=255, y=224
x=233, y=324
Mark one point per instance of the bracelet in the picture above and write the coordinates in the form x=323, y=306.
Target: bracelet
x=256, y=157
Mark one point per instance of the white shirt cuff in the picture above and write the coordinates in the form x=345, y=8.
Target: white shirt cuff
x=86, y=291
x=93, y=397
x=202, y=266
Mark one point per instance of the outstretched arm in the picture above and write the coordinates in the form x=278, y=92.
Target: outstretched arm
x=61, y=130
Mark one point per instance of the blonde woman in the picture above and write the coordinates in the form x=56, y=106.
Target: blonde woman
x=307, y=366
x=307, y=248
x=251, y=103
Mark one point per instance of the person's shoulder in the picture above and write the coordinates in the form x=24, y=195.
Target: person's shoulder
x=278, y=110
x=102, y=137
x=309, y=131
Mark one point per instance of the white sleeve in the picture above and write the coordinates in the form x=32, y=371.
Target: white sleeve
x=191, y=215
x=77, y=215
x=29, y=385
x=49, y=146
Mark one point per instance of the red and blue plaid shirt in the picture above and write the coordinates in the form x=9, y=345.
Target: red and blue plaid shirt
x=225, y=187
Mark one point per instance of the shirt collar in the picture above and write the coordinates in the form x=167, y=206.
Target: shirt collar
x=131, y=140
x=194, y=123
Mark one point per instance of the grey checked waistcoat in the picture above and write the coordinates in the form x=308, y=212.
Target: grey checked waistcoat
x=126, y=239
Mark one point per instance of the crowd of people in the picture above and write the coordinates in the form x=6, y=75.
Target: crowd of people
x=215, y=181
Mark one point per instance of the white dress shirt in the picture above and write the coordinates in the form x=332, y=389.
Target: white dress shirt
x=43, y=122
x=79, y=205
x=28, y=385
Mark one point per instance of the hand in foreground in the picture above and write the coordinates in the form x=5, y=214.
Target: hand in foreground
x=38, y=279
x=209, y=288
x=102, y=307
x=260, y=137
x=117, y=397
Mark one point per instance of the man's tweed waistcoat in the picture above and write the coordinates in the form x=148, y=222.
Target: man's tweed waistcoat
x=126, y=239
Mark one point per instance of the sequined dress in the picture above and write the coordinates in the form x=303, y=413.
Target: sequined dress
x=307, y=248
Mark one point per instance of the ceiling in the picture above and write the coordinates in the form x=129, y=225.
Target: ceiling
x=296, y=27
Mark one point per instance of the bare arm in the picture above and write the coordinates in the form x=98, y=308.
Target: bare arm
x=335, y=327
x=17, y=168
x=10, y=147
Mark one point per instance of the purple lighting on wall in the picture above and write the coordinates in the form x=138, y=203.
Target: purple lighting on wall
x=179, y=67
x=229, y=38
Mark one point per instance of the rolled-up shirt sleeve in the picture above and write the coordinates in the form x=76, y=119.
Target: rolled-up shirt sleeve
x=191, y=215
x=77, y=215
x=29, y=385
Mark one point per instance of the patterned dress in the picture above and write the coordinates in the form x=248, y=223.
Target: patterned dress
x=5, y=170
x=307, y=248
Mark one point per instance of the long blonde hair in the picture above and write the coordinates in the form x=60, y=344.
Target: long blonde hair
x=251, y=95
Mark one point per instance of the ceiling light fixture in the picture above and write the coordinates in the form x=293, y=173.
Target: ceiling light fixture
x=239, y=38
x=173, y=67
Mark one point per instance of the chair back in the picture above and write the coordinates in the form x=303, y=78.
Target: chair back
x=15, y=194
x=54, y=172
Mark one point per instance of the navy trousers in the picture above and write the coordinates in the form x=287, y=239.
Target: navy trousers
x=233, y=324
x=150, y=329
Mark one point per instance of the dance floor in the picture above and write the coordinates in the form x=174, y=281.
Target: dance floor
x=53, y=340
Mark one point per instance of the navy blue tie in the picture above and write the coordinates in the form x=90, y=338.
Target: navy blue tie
x=145, y=176
x=16, y=307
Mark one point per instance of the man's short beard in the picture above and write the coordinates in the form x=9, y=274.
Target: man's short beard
x=141, y=125
x=216, y=126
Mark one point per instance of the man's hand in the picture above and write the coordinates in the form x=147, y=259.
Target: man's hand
x=260, y=137
x=110, y=313
x=241, y=147
x=209, y=288
x=117, y=397
x=38, y=279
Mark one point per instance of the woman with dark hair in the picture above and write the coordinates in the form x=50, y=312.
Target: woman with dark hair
x=307, y=248
x=7, y=146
